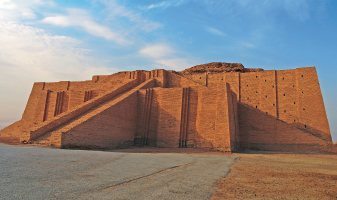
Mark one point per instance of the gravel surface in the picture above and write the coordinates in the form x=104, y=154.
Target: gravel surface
x=45, y=173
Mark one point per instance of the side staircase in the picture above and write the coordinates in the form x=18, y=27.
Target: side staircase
x=49, y=133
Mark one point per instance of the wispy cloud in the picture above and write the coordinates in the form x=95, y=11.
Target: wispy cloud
x=11, y=10
x=81, y=18
x=166, y=4
x=215, y=31
x=157, y=51
x=247, y=44
x=116, y=10
x=165, y=56
x=30, y=55
x=298, y=9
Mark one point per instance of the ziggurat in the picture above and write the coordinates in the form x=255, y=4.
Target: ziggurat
x=218, y=106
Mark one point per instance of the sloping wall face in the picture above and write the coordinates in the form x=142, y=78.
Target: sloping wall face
x=267, y=110
x=282, y=110
x=113, y=128
x=277, y=110
x=217, y=118
x=48, y=100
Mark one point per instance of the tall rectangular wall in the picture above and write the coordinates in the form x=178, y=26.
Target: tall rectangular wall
x=310, y=108
x=233, y=120
x=217, y=118
x=206, y=118
x=147, y=118
x=170, y=105
x=193, y=96
x=34, y=102
x=284, y=106
x=156, y=113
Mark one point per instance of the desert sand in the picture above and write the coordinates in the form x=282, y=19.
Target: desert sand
x=261, y=175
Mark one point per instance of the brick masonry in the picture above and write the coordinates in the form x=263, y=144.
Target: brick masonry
x=225, y=111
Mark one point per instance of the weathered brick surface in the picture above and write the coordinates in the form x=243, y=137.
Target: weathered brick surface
x=227, y=111
x=112, y=128
x=169, y=119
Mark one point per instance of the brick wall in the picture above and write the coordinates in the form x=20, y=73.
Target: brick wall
x=192, y=116
x=58, y=120
x=217, y=117
x=222, y=135
x=34, y=102
x=233, y=120
x=268, y=110
x=311, y=109
x=201, y=79
x=259, y=130
x=112, y=128
x=147, y=118
x=169, y=119
x=205, y=118
x=174, y=80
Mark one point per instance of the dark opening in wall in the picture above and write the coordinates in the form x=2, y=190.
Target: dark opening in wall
x=247, y=85
x=305, y=126
x=273, y=104
x=294, y=102
x=255, y=106
x=256, y=76
x=285, y=111
x=222, y=79
x=302, y=75
x=302, y=92
x=266, y=96
x=265, y=80
x=284, y=94
x=273, y=86
x=248, y=98
x=266, y=112
x=303, y=108
x=256, y=91
x=294, y=120
x=293, y=85
x=283, y=78
x=200, y=77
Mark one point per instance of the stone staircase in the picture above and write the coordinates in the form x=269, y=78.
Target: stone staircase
x=53, y=137
x=44, y=140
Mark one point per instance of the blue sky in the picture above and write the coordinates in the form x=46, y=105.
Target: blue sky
x=45, y=40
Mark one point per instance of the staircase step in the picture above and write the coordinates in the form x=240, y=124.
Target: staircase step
x=46, y=139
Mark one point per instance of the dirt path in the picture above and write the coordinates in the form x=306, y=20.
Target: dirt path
x=280, y=176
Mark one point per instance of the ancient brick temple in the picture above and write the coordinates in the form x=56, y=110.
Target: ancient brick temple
x=219, y=106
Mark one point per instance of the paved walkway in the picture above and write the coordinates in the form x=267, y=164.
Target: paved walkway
x=44, y=173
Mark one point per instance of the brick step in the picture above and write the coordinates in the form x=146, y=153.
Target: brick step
x=36, y=131
x=53, y=137
x=43, y=140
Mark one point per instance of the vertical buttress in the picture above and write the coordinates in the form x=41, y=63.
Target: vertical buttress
x=59, y=103
x=146, y=117
x=184, y=118
x=46, y=106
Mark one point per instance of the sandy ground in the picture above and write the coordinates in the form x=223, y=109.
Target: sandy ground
x=161, y=173
x=260, y=175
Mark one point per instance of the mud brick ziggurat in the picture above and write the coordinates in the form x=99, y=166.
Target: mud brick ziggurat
x=219, y=106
